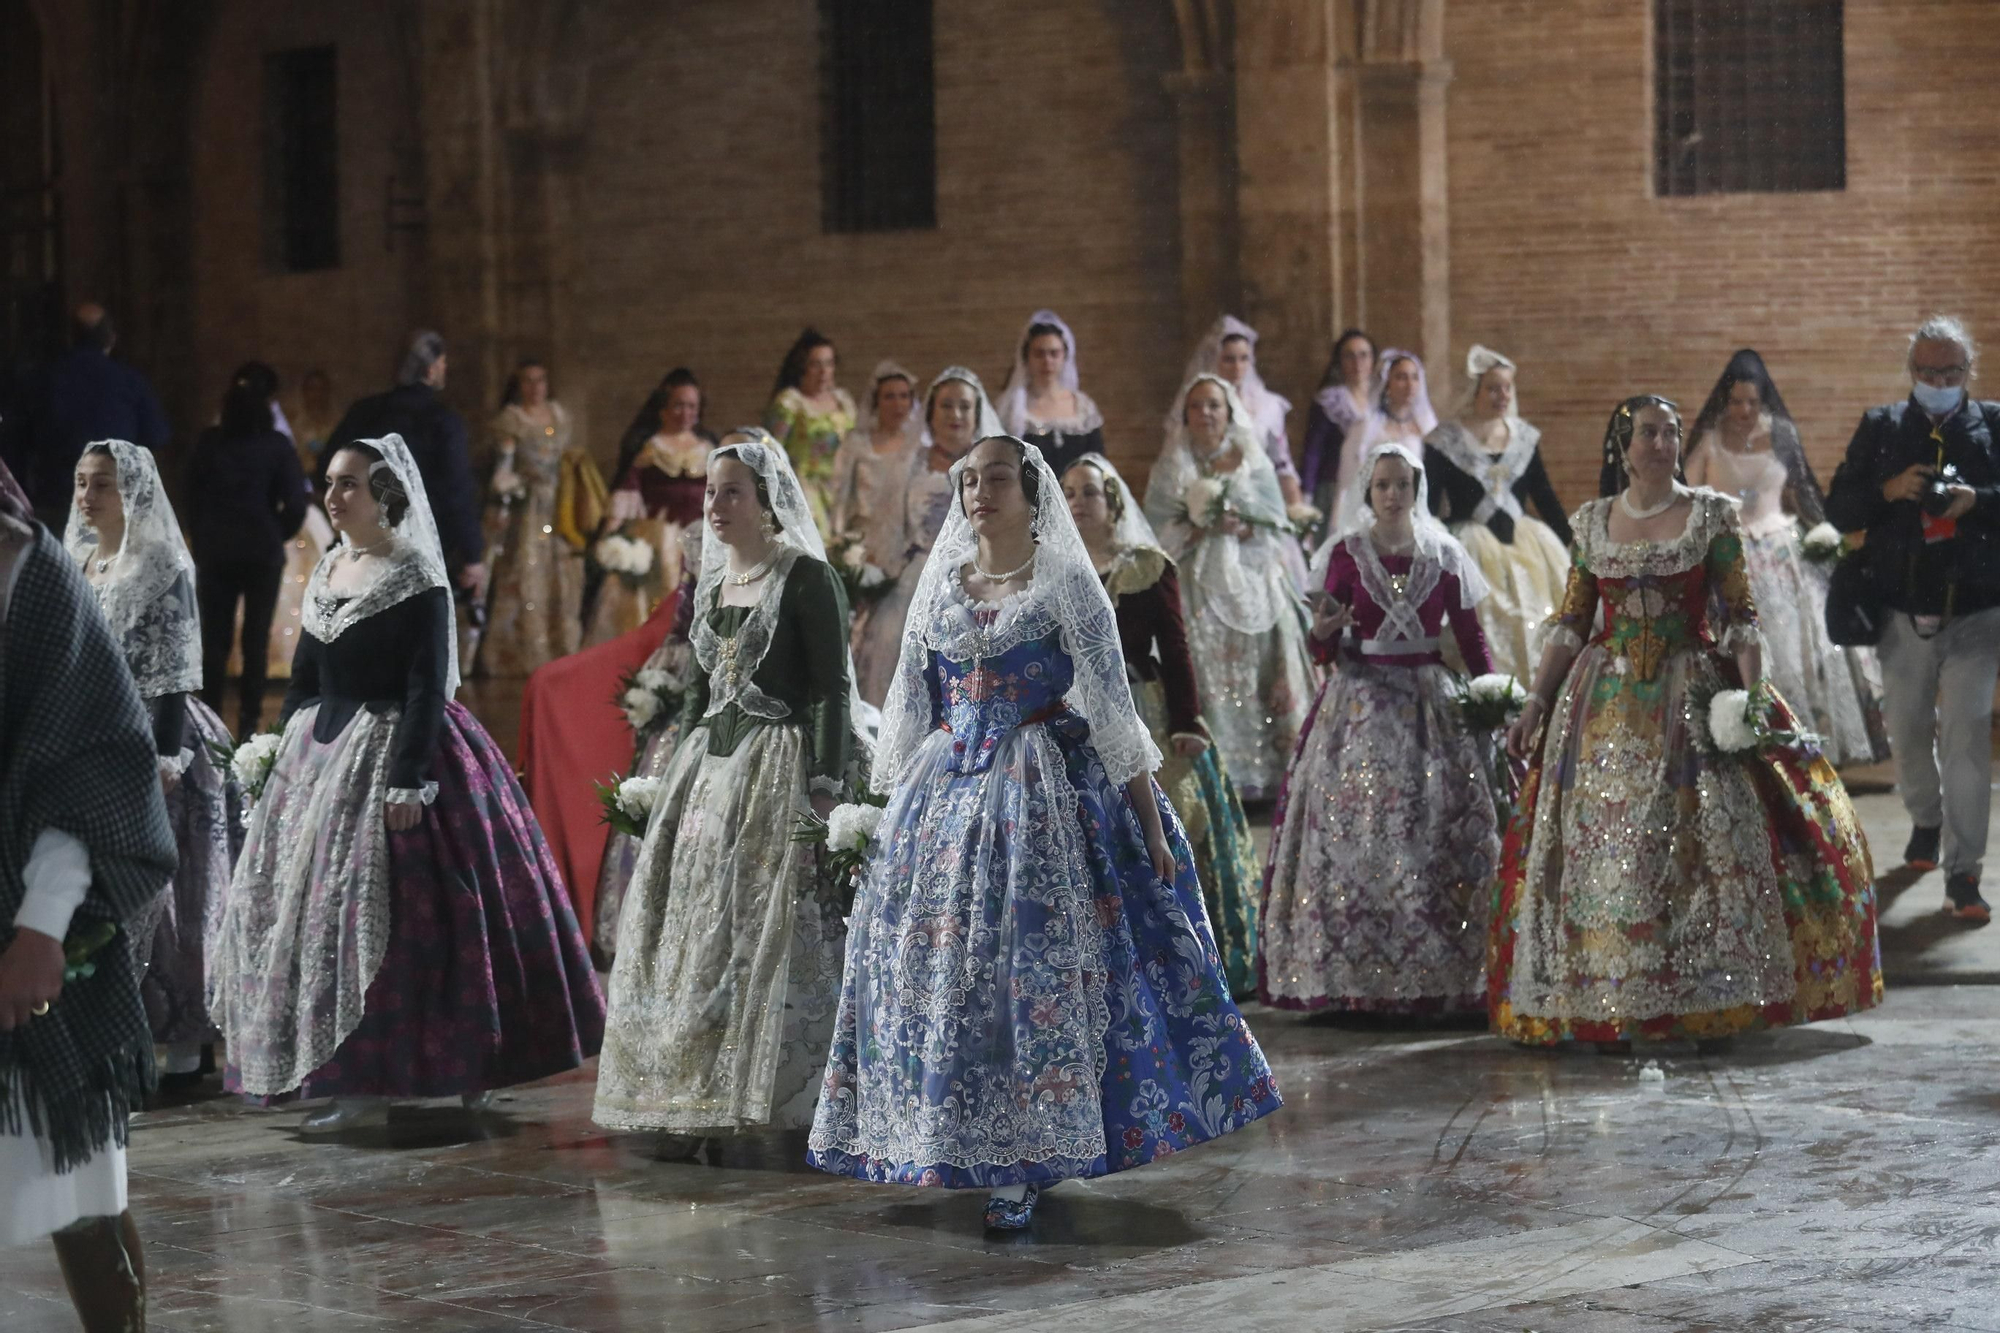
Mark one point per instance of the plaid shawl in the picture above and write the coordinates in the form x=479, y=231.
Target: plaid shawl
x=76, y=753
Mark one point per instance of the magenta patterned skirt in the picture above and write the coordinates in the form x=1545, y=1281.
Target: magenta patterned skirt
x=487, y=980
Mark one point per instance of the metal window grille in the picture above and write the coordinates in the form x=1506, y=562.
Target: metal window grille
x=1749, y=96
x=878, y=131
x=301, y=160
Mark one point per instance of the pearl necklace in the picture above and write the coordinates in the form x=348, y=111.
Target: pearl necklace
x=756, y=571
x=1650, y=511
x=1009, y=576
x=355, y=550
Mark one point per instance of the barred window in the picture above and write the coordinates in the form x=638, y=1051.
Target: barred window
x=1749, y=96
x=878, y=132
x=301, y=161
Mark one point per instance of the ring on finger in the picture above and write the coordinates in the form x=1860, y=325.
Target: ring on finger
x=40, y=1009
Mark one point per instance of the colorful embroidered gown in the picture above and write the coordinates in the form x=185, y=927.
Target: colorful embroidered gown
x=1385, y=840
x=1649, y=890
x=1146, y=597
x=811, y=439
x=1025, y=1000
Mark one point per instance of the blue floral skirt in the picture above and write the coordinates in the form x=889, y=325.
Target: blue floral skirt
x=1024, y=999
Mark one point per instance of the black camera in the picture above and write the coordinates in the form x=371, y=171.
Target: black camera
x=1936, y=497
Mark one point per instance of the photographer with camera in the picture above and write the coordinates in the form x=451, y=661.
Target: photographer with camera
x=1923, y=478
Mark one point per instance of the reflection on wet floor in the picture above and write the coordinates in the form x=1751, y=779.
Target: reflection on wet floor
x=1432, y=1178
x=1841, y=1176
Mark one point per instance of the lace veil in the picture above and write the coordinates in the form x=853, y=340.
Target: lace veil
x=1785, y=444
x=913, y=425
x=1013, y=404
x=731, y=668
x=414, y=563
x=148, y=591
x=1064, y=596
x=986, y=423
x=1131, y=530
x=1267, y=409
x=1437, y=552
x=1233, y=574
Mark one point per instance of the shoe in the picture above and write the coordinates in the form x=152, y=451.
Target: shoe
x=1011, y=1214
x=1962, y=899
x=476, y=1102
x=1921, y=853
x=345, y=1113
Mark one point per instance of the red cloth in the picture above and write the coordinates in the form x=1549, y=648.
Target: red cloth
x=573, y=734
x=1343, y=583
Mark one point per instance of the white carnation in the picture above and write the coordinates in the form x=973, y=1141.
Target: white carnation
x=252, y=762
x=636, y=797
x=641, y=707
x=654, y=679
x=641, y=556
x=854, y=554
x=1497, y=687
x=850, y=827
x=1201, y=497
x=872, y=576
x=1824, y=539
x=1729, y=721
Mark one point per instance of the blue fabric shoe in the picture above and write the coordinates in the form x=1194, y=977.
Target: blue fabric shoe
x=1008, y=1215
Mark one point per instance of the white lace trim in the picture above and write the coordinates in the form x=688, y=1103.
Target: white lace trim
x=1496, y=473
x=732, y=662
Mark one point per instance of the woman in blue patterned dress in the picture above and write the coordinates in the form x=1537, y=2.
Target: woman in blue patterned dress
x=1032, y=989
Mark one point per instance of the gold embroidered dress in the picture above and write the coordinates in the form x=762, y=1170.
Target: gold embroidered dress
x=1650, y=889
x=534, y=542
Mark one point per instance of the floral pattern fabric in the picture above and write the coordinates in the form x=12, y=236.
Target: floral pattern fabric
x=728, y=963
x=812, y=439
x=452, y=964
x=1650, y=888
x=1024, y=999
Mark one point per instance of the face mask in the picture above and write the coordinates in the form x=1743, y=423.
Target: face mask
x=1938, y=402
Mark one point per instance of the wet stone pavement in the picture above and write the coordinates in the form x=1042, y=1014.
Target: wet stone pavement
x=1841, y=1176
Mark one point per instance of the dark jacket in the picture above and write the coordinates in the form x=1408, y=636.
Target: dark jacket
x=437, y=439
x=396, y=658
x=1911, y=574
x=1452, y=486
x=83, y=395
x=246, y=497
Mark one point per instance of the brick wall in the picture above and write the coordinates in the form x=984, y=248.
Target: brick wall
x=1562, y=257
x=698, y=214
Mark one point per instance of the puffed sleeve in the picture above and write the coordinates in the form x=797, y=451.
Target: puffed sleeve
x=1343, y=582
x=1730, y=599
x=1571, y=623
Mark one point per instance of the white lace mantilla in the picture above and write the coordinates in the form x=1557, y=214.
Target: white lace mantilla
x=731, y=662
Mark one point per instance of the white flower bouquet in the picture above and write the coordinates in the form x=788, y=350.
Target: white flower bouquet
x=650, y=698
x=251, y=763
x=628, y=803
x=848, y=833
x=1208, y=500
x=1822, y=544
x=865, y=580
x=1737, y=724
x=1491, y=702
x=1732, y=729
x=629, y=557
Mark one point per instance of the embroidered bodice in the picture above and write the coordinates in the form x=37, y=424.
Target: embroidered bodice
x=1402, y=633
x=1659, y=598
x=983, y=700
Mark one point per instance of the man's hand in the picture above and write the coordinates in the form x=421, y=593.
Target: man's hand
x=1909, y=483
x=473, y=579
x=1962, y=500
x=31, y=977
